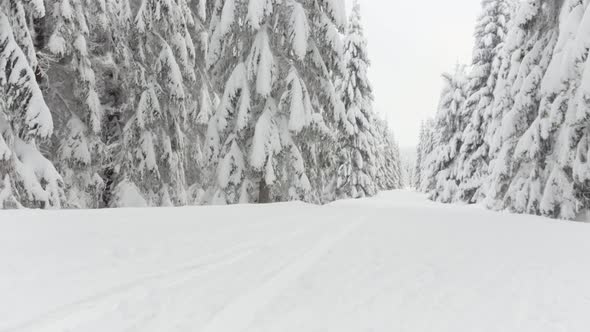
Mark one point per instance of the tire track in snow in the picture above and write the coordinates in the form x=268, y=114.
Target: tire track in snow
x=239, y=314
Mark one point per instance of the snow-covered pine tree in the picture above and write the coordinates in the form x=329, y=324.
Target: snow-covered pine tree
x=440, y=172
x=388, y=165
x=112, y=57
x=537, y=132
x=27, y=178
x=490, y=33
x=274, y=62
x=195, y=161
x=20, y=15
x=427, y=146
x=577, y=152
x=357, y=143
x=71, y=91
x=417, y=172
x=423, y=149
x=160, y=137
x=553, y=147
x=527, y=56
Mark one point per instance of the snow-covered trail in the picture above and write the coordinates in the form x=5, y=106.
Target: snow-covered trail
x=391, y=263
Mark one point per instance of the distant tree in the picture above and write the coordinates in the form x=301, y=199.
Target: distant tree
x=388, y=161
x=423, y=150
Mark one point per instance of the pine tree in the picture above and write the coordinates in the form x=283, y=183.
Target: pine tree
x=113, y=61
x=553, y=148
x=577, y=152
x=173, y=102
x=75, y=102
x=441, y=165
x=490, y=33
x=388, y=160
x=527, y=58
x=537, y=131
x=423, y=149
x=160, y=136
x=27, y=178
x=356, y=170
x=195, y=162
x=427, y=146
x=274, y=62
x=19, y=13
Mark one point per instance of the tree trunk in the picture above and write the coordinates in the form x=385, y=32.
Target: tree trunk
x=263, y=193
x=40, y=41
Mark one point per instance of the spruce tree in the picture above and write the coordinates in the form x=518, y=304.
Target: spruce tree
x=441, y=165
x=71, y=91
x=424, y=149
x=490, y=33
x=169, y=99
x=357, y=142
x=526, y=57
x=536, y=132
x=577, y=150
x=388, y=166
x=274, y=63
x=27, y=178
x=551, y=143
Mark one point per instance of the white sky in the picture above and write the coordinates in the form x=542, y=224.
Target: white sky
x=411, y=43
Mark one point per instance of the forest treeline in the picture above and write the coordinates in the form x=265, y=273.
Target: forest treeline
x=512, y=129
x=115, y=103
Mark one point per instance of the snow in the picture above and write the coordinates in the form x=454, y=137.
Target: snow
x=337, y=10
x=391, y=263
x=128, y=195
x=227, y=17
x=76, y=148
x=299, y=108
x=202, y=9
x=38, y=7
x=167, y=66
x=147, y=153
x=257, y=10
x=39, y=177
x=231, y=168
x=299, y=30
x=266, y=139
x=261, y=63
x=66, y=9
x=17, y=72
x=236, y=86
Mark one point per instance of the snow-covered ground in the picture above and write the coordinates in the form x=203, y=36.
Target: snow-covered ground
x=392, y=263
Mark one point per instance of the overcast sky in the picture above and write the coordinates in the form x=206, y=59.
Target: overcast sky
x=411, y=43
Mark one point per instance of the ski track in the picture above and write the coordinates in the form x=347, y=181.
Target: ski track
x=239, y=314
x=93, y=306
x=70, y=314
x=392, y=263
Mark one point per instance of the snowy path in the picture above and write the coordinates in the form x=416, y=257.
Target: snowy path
x=240, y=313
x=392, y=263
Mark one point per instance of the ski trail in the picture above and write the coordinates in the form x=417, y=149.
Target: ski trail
x=90, y=304
x=239, y=314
